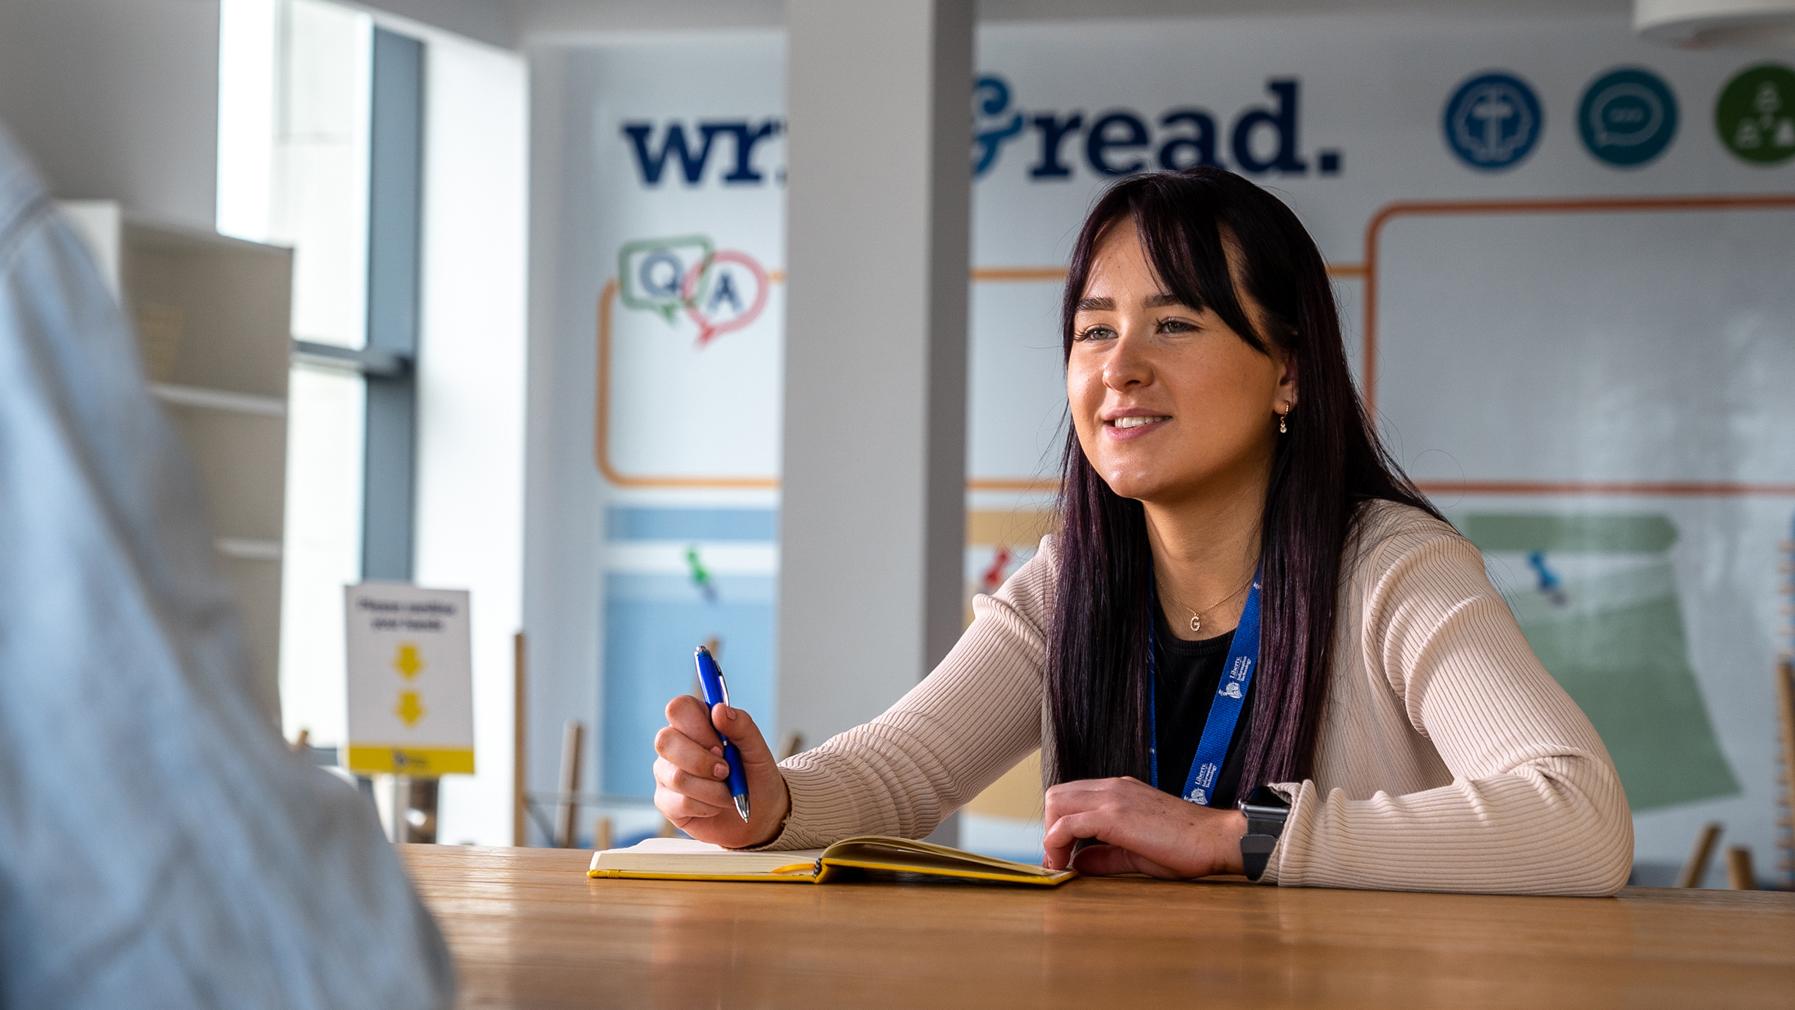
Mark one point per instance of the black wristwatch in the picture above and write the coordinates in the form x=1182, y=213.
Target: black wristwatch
x=1266, y=810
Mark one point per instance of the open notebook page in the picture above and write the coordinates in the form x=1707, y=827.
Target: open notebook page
x=686, y=855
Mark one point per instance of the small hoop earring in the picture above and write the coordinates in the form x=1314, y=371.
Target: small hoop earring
x=1284, y=422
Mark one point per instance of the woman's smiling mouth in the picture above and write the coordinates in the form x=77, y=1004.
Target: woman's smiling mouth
x=1133, y=426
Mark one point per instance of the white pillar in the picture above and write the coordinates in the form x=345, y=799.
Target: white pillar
x=872, y=510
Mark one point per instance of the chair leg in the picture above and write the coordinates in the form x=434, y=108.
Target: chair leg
x=1696, y=869
x=1738, y=869
x=570, y=783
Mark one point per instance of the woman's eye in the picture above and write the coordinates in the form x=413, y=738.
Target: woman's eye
x=1175, y=326
x=1095, y=333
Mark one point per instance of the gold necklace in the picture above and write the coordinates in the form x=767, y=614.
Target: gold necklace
x=1196, y=616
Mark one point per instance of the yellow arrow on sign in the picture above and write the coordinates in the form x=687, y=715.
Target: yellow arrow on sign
x=411, y=708
x=407, y=661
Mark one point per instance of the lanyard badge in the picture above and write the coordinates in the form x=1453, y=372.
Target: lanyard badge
x=1224, y=707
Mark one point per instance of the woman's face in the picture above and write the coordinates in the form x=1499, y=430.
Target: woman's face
x=1168, y=402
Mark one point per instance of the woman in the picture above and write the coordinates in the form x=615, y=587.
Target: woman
x=1377, y=699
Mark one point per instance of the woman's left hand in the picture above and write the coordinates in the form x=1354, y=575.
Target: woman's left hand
x=1138, y=829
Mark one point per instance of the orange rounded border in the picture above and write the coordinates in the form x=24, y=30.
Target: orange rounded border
x=1597, y=205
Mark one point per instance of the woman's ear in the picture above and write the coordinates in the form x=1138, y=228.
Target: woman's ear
x=1287, y=385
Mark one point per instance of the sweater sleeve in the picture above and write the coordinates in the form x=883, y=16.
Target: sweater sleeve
x=948, y=738
x=1535, y=805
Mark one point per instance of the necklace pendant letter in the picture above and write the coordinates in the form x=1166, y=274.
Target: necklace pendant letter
x=1196, y=623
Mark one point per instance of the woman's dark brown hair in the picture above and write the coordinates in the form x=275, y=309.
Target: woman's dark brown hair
x=1190, y=223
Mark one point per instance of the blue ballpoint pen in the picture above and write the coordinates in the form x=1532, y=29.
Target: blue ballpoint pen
x=710, y=679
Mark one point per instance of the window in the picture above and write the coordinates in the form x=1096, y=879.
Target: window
x=301, y=84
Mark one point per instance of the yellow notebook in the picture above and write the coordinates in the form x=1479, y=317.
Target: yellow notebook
x=685, y=859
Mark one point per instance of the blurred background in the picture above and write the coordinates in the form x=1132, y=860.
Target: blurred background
x=651, y=325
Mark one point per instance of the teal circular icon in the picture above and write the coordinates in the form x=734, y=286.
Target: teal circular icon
x=1627, y=117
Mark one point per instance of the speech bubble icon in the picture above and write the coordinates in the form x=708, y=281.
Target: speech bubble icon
x=1625, y=114
x=724, y=293
x=651, y=272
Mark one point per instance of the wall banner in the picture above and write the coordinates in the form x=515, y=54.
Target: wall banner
x=1562, y=257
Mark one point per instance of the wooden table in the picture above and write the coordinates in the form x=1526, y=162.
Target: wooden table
x=530, y=930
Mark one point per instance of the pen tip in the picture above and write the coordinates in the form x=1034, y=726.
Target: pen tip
x=741, y=807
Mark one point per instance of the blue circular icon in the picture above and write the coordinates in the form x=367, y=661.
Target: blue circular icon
x=1493, y=121
x=1627, y=117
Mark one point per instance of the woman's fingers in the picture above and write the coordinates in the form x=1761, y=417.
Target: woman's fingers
x=1101, y=860
x=1073, y=811
x=1107, y=860
x=705, y=790
x=1083, y=795
x=688, y=715
x=739, y=727
x=682, y=809
x=689, y=755
x=1065, y=832
x=691, y=776
x=1154, y=832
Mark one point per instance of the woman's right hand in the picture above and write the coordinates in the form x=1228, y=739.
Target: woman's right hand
x=690, y=777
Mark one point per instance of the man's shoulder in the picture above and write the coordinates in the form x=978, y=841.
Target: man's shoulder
x=20, y=186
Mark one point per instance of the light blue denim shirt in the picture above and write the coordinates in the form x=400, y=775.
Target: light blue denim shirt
x=159, y=845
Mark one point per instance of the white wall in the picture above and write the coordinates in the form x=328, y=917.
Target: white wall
x=898, y=82
x=488, y=21
x=562, y=22
x=117, y=99
x=573, y=21
x=471, y=391
x=561, y=595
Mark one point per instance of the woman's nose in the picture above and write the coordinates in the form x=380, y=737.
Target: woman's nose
x=1127, y=365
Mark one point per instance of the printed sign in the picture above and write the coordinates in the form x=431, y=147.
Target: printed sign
x=411, y=694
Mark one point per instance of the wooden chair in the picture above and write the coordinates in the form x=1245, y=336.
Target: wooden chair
x=1696, y=869
x=1785, y=711
x=1738, y=869
x=520, y=803
x=571, y=741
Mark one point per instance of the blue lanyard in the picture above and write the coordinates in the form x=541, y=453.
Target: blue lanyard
x=1224, y=708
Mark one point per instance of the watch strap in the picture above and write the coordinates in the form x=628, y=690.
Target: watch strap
x=1266, y=811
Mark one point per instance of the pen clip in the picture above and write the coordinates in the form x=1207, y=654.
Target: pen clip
x=723, y=685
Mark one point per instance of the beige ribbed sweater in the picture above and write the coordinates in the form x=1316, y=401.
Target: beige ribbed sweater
x=1449, y=759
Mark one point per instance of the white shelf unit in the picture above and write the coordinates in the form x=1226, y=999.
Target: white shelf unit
x=212, y=320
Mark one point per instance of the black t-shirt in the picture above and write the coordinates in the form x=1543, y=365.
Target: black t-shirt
x=1188, y=675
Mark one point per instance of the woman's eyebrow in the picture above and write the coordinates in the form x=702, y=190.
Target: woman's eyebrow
x=1158, y=301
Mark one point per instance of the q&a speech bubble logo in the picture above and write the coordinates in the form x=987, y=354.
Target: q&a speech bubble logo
x=652, y=272
x=725, y=292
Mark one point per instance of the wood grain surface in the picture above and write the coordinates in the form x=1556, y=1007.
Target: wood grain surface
x=530, y=930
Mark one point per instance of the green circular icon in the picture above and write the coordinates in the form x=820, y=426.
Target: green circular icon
x=1756, y=114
